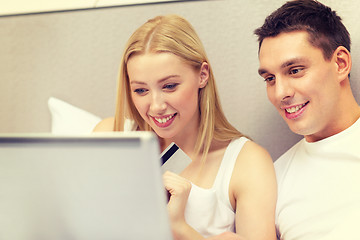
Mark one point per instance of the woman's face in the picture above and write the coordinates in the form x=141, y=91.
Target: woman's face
x=164, y=90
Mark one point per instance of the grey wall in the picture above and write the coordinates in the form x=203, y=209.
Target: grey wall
x=75, y=56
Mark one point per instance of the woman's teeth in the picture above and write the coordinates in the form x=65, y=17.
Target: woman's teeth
x=164, y=120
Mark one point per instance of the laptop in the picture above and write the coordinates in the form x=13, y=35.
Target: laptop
x=93, y=187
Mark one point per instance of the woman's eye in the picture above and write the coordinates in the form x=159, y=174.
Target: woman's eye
x=140, y=91
x=171, y=86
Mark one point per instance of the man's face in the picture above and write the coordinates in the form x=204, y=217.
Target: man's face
x=301, y=84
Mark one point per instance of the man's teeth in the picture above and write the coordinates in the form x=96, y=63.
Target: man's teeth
x=295, y=109
x=164, y=120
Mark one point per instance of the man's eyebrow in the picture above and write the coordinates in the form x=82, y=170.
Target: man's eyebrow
x=293, y=61
x=286, y=64
x=262, y=71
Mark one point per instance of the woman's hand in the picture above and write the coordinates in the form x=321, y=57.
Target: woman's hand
x=179, y=189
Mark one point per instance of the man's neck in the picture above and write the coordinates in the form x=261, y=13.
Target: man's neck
x=345, y=119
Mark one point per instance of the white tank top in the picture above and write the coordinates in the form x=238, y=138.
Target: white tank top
x=209, y=211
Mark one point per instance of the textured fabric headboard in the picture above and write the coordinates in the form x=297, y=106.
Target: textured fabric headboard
x=75, y=55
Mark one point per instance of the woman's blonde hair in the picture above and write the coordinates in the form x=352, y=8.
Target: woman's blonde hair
x=174, y=34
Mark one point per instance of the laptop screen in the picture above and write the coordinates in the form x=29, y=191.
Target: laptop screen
x=82, y=187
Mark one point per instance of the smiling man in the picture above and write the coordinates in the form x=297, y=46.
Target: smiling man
x=305, y=60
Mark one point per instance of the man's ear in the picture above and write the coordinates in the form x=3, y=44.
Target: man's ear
x=343, y=62
x=204, y=74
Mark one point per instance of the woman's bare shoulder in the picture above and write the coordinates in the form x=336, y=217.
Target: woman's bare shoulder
x=105, y=125
x=252, y=150
x=253, y=164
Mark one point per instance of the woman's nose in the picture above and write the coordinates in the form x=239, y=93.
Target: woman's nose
x=158, y=103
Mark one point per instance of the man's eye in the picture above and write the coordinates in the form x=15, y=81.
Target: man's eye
x=295, y=70
x=269, y=79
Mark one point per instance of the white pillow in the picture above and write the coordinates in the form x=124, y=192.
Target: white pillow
x=68, y=119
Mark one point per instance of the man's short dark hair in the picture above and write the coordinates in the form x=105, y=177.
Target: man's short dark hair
x=326, y=31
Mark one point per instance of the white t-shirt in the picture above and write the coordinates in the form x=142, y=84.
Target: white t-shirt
x=319, y=188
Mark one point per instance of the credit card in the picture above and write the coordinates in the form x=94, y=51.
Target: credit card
x=174, y=159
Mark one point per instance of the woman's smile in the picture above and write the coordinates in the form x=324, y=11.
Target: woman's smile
x=164, y=121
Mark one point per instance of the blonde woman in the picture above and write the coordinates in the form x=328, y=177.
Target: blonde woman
x=166, y=85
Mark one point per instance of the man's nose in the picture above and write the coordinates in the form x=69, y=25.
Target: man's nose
x=284, y=89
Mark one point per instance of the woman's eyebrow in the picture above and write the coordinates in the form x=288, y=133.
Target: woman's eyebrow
x=136, y=82
x=160, y=81
x=167, y=77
